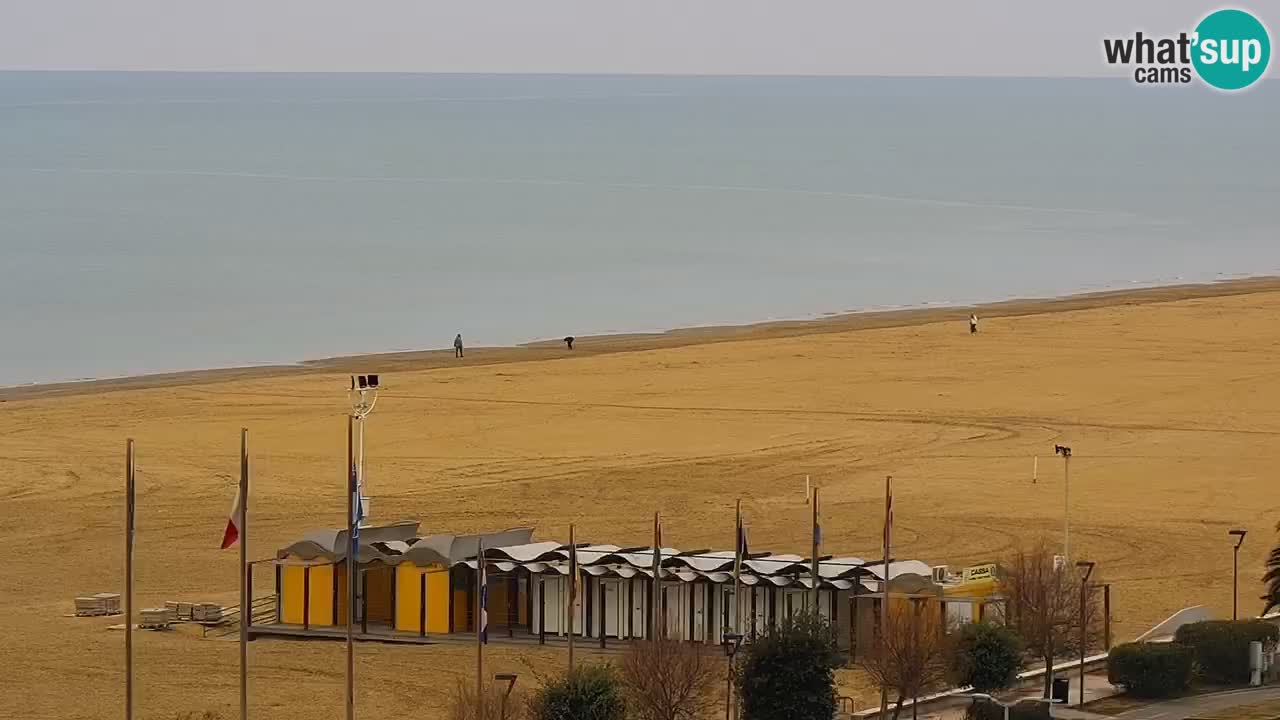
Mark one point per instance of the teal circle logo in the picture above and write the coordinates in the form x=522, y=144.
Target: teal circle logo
x=1232, y=49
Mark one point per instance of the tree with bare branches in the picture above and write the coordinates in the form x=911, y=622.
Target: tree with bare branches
x=909, y=656
x=1043, y=605
x=670, y=680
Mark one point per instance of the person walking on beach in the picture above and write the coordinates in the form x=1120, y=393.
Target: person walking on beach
x=457, y=345
x=973, y=323
x=569, y=341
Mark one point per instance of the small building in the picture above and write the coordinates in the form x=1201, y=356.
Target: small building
x=972, y=595
x=421, y=586
x=407, y=583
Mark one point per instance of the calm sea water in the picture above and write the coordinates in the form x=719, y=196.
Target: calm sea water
x=154, y=222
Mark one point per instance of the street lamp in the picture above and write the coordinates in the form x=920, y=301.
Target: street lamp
x=363, y=395
x=1087, y=567
x=990, y=699
x=984, y=696
x=1065, y=452
x=510, y=679
x=1235, y=570
x=731, y=642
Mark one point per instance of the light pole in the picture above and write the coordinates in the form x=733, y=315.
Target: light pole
x=731, y=641
x=1087, y=567
x=988, y=698
x=1235, y=570
x=1065, y=452
x=363, y=396
x=510, y=679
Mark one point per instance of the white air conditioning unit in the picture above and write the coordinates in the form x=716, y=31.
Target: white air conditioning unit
x=940, y=573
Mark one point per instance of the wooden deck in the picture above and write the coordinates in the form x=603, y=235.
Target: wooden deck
x=386, y=634
x=383, y=634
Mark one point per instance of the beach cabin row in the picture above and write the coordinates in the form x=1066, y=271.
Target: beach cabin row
x=410, y=585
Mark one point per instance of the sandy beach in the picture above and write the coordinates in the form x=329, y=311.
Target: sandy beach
x=1168, y=396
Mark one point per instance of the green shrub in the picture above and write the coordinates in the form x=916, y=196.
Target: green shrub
x=1221, y=647
x=987, y=657
x=1150, y=670
x=589, y=692
x=787, y=673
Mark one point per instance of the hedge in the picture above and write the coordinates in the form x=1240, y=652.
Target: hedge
x=788, y=673
x=986, y=657
x=1150, y=670
x=1221, y=647
x=587, y=692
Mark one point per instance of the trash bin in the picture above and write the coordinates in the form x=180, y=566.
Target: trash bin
x=1061, y=690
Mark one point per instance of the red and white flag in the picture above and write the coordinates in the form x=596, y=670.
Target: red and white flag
x=232, y=533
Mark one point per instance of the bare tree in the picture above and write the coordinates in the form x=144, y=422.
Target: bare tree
x=912, y=659
x=670, y=680
x=1044, y=605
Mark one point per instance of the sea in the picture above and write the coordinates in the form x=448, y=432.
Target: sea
x=154, y=222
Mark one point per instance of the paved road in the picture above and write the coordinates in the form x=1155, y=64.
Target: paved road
x=1188, y=707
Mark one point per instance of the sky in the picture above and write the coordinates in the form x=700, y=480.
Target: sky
x=754, y=37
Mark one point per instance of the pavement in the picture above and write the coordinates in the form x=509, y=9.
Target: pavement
x=1074, y=714
x=1191, y=706
x=1096, y=687
x=1179, y=709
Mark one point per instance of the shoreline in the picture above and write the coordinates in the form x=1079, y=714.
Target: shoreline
x=416, y=360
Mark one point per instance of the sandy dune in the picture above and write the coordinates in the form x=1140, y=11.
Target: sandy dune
x=1170, y=405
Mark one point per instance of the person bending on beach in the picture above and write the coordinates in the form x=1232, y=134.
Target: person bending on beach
x=457, y=345
x=973, y=323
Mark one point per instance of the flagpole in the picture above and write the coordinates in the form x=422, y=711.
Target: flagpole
x=884, y=584
x=657, y=580
x=351, y=566
x=573, y=590
x=737, y=569
x=128, y=580
x=816, y=540
x=481, y=581
x=245, y=601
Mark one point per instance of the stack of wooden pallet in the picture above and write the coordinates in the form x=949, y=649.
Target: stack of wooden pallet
x=181, y=610
x=206, y=612
x=98, y=604
x=156, y=618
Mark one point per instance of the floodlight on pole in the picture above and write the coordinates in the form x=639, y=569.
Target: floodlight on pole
x=363, y=395
x=1235, y=571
